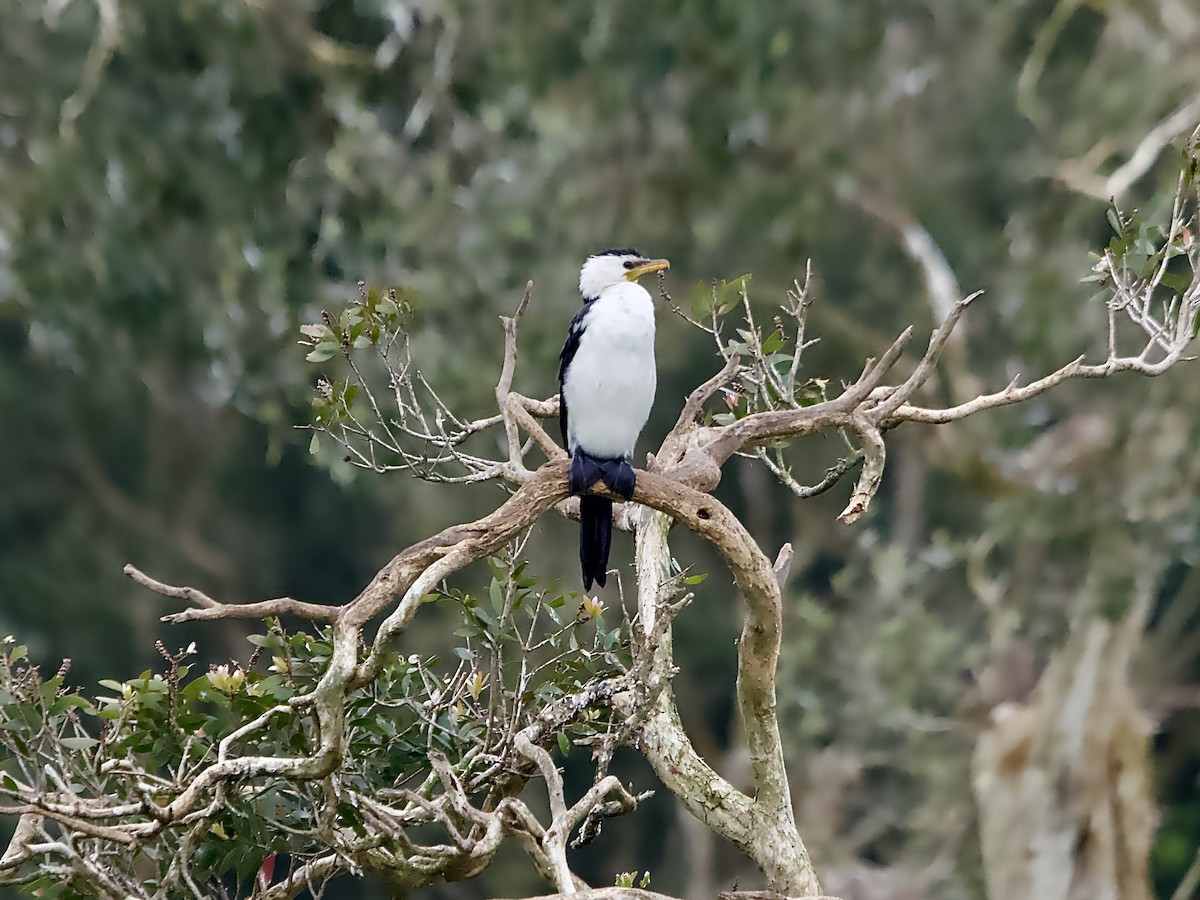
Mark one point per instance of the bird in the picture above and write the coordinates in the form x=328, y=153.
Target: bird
x=606, y=378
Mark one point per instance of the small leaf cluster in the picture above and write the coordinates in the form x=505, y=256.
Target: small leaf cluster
x=371, y=318
x=374, y=319
x=35, y=712
x=769, y=378
x=524, y=647
x=713, y=300
x=630, y=880
x=1139, y=249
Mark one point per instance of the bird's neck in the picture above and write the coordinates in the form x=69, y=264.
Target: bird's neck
x=626, y=297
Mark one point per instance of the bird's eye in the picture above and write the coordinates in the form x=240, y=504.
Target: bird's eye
x=630, y=263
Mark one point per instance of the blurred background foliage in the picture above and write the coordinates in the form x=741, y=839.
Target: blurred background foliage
x=183, y=184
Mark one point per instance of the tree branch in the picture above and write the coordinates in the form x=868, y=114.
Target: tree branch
x=209, y=609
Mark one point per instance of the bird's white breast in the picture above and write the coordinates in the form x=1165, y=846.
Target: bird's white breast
x=609, y=385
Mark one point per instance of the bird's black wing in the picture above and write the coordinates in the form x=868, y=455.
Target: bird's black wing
x=568, y=354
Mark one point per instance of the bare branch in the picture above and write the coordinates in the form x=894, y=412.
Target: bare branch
x=504, y=385
x=192, y=595
x=929, y=361
x=82, y=826
x=554, y=783
x=871, y=476
x=806, y=492
x=523, y=411
x=672, y=446
x=210, y=609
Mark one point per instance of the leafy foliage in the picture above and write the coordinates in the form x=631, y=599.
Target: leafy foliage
x=149, y=737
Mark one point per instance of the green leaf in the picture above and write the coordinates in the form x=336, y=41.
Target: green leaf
x=1177, y=281
x=78, y=743
x=564, y=744
x=314, y=445
x=316, y=332
x=1114, y=221
x=696, y=579
x=323, y=351
x=729, y=293
x=497, y=596
x=71, y=701
x=774, y=343
x=484, y=616
x=322, y=411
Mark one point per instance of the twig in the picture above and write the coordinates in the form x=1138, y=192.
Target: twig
x=210, y=609
x=504, y=384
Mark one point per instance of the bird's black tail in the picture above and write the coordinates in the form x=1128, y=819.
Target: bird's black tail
x=595, y=538
x=595, y=513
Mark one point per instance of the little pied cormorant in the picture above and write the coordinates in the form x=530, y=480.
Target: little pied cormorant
x=606, y=382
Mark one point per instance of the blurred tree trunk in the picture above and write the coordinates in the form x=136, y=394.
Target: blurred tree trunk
x=1062, y=779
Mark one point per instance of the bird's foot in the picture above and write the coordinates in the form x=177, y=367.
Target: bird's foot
x=617, y=475
x=623, y=481
x=583, y=474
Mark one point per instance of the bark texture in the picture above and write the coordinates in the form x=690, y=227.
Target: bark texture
x=1063, y=782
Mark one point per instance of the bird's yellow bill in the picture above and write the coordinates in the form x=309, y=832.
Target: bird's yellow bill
x=650, y=265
